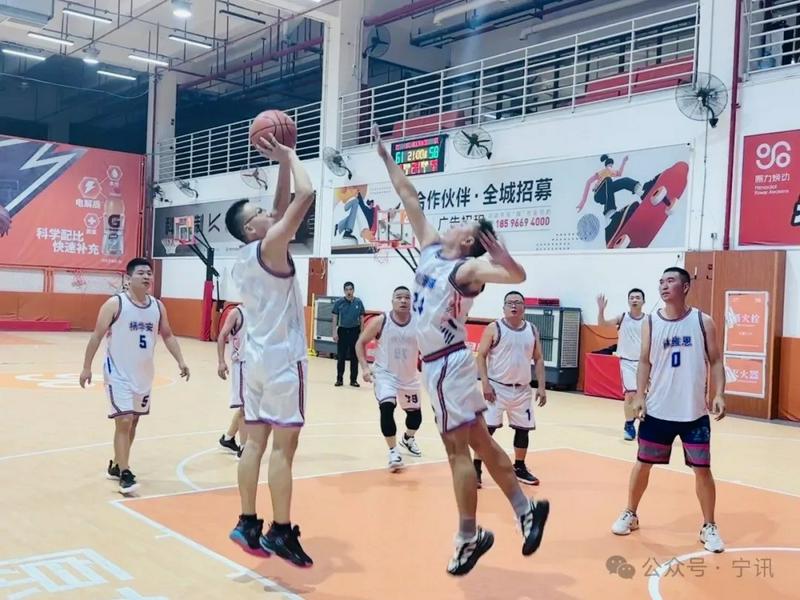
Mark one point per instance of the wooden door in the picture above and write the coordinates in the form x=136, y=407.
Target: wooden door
x=317, y=279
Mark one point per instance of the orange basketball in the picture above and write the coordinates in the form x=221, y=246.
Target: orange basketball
x=277, y=123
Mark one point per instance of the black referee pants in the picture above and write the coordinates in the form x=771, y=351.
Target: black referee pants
x=346, y=348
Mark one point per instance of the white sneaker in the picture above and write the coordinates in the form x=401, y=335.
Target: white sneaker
x=709, y=535
x=395, y=461
x=469, y=551
x=627, y=522
x=410, y=444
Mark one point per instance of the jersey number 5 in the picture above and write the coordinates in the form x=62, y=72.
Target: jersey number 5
x=142, y=341
x=676, y=359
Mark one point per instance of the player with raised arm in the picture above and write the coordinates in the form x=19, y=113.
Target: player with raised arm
x=448, y=279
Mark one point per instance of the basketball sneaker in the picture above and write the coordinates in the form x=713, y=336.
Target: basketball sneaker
x=469, y=551
x=229, y=444
x=246, y=535
x=113, y=470
x=709, y=535
x=127, y=482
x=410, y=444
x=630, y=431
x=395, y=461
x=627, y=522
x=285, y=542
x=525, y=476
x=532, y=525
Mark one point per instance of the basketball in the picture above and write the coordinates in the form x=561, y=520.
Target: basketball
x=277, y=123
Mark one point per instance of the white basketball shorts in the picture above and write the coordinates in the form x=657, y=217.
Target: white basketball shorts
x=516, y=402
x=387, y=389
x=628, y=369
x=276, y=398
x=123, y=400
x=452, y=383
x=237, y=384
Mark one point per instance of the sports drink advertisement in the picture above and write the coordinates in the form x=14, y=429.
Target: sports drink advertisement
x=67, y=206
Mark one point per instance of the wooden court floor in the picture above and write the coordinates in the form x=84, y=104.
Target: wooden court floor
x=68, y=534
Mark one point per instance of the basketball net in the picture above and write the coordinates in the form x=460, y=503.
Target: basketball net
x=79, y=281
x=170, y=245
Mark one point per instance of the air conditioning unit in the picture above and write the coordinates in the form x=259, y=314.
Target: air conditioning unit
x=323, y=325
x=560, y=334
x=26, y=14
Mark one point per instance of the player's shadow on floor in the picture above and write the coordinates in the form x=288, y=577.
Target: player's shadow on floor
x=492, y=583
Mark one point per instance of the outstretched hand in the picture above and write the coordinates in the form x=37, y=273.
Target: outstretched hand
x=602, y=302
x=272, y=149
x=376, y=137
x=496, y=250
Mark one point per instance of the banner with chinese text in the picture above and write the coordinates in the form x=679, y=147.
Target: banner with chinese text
x=769, y=208
x=634, y=199
x=68, y=206
x=745, y=375
x=746, y=317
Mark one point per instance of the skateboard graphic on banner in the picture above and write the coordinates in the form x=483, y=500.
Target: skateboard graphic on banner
x=639, y=228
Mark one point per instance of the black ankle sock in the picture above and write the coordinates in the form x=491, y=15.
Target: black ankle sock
x=248, y=518
x=405, y=437
x=519, y=464
x=282, y=528
x=477, y=463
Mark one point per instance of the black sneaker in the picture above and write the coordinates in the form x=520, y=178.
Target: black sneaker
x=127, y=482
x=239, y=452
x=286, y=544
x=338, y=383
x=525, y=476
x=113, y=470
x=468, y=553
x=355, y=384
x=246, y=535
x=229, y=444
x=532, y=525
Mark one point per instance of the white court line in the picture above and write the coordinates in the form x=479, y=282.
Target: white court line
x=180, y=469
x=683, y=472
x=272, y=585
x=156, y=437
x=655, y=579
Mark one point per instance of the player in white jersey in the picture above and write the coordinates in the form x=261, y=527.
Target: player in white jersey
x=275, y=353
x=394, y=373
x=232, y=334
x=447, y=281
x=505, y=352
x=130, y=322
x=679, y=350
x=629, y=345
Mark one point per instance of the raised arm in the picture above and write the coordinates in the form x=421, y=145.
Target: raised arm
x=643, y=372
x=105, y=317
x=501, y=268
x=170, y=341
x=230, y=323
x=717, y=369
x=282, y=191
x=369, y=333
x=602, y=303
x=425, y=233
x=538, y=365
x=586, y=188
x=484, y=347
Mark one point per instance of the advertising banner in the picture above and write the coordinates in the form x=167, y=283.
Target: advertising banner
x=66, y=206
x=744, y=375
x=746, y=316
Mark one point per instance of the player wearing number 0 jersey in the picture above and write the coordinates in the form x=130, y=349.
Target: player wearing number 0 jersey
x=446, y=283
x=130, y=322
x=505, y=353
x=629, y=329
x=275, y=352
x=679, y=349
x=394, y=373
x=232, y=334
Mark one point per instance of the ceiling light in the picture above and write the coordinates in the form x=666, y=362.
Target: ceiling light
x=90, y=61
x=182, y=8
x=22, y=54
x=51, y=39
x=84, y=15
x=230, y=13
x=91, y=55
x=116, y=75
x=147, y=59
x=187, y=41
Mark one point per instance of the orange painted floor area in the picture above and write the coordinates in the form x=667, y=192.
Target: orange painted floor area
x=375, y=535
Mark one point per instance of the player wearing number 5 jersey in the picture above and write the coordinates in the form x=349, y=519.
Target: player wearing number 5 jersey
x=130, y=321
x=679, y=348
x=448, y=279
x=394, y=373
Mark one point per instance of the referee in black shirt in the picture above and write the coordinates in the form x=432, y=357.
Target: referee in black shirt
x=348, y=318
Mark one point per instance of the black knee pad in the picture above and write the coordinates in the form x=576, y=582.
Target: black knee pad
x=492, y=429
x=388, y=427
x=521, y=438
x=413, y=419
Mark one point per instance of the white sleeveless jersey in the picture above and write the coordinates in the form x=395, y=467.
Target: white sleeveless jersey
x=397, y=352
x=130, y=343
x=272, y=306
x=678, y=371
x=236, y=339
x=629, y=344
x=441, y=308
x=510, y=357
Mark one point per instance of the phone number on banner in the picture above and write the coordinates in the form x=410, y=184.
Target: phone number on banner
x=527, y=221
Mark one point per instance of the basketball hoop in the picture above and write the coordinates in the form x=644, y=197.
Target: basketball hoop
x=78, y=280
x=380, y=250
x=170, y=245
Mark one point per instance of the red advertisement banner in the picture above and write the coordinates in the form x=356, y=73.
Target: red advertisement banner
x=770, y=198
x=67, y=206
